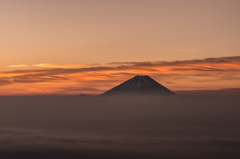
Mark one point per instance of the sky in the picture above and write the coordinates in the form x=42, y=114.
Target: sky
x=53, y=49
x=89, y=46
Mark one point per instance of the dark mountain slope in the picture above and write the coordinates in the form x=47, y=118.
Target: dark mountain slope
x=143, y=85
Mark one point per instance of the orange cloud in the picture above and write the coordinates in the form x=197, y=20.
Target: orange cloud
x=198, y=74
x=54, y=65
x=17, y=66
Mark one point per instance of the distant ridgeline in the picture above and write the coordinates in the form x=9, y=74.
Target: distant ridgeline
x=139, y=85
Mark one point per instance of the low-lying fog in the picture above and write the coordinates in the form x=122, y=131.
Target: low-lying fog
x=119, y=127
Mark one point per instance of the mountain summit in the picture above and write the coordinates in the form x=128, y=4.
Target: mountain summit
x=143, y=85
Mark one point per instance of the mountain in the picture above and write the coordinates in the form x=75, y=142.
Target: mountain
x=142, y=85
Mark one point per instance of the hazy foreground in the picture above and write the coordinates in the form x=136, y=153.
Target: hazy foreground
x=119, y=127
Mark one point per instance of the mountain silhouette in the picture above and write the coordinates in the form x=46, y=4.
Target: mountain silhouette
x=142, y=85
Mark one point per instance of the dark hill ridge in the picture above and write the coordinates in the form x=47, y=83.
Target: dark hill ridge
x=143, y=85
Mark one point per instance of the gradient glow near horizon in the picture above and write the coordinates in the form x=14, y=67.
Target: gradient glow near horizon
x=88, y=46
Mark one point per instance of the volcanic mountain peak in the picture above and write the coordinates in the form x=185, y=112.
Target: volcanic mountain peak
x=138, y=82
x=144, y=85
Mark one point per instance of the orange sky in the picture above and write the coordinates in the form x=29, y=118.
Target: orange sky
x=70, y=46
x=204, y=74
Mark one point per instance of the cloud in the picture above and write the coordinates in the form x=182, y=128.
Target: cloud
x=79, y=90
x=24, y=136
x=16, y=138
x=18, y=66
x=4, y=81
x=233, y=92
x=186, y=74
x=181, y=50
x=231, y=59
x=55, y=65
x=137, y=124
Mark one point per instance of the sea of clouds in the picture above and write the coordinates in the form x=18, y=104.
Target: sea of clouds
x=119, y=127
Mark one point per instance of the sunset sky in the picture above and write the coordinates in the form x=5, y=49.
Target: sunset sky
x=89, y=46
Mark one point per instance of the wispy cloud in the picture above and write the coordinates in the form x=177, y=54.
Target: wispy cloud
x=209, y=73
x=55, y=65
x=18, y=66
x=184, y=50
x=4, y=81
